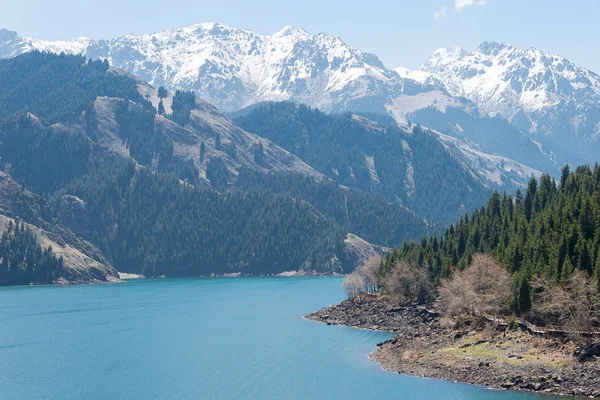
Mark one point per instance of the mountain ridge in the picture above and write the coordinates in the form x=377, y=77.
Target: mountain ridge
x=554, y=100
x=233, y=68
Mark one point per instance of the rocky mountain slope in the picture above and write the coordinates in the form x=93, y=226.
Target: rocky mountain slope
x=546, y=96
x=554, y=100
x=234, y=68
x=207, y=125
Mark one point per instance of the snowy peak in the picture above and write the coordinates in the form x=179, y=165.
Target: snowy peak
x=416, y=75
x=492, y=48
x=504, y=79
x=233, y=68
x=442, y=57
x=74, y=46
x=11, y=44
x=290, y=31
x=6, y=35
x=556, y=101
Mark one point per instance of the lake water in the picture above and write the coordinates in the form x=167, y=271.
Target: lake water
x=196, y=339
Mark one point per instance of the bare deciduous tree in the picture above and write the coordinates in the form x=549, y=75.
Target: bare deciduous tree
x=353, y=284
x=574, y=306
x=369, y=270
x=408, y=283
x=483, y=288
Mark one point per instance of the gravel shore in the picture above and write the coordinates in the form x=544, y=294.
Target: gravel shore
x=478, y=354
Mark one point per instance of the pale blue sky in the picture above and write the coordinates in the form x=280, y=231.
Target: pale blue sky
x=400, y=32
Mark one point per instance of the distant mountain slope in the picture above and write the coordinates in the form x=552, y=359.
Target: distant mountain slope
x=494, y=135
x=555, y=100
x=110, y=167
x=371, y=217
x=497, y=171
x=438, y=179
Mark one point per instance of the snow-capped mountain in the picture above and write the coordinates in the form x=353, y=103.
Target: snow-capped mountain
x=11, y=45
x=555, y=100
x=233, y=68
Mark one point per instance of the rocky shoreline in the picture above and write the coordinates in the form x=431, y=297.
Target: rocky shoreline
x=479, y=355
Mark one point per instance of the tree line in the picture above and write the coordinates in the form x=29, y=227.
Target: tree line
x=543, y=247
x=371, y=217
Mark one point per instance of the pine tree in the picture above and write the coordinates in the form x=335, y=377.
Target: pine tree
x=597, y=270
x=530, y=198
x=218, y=141
x=259, y=155
x=587, y=221
x=202, y=151
x=162, y=92
x=585, y=261
x=232, y=150
x=161, y=108
x=523, y=301
x=564, y=175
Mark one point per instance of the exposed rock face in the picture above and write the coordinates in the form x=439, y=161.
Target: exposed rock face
x=206, y=123
x=374, y=313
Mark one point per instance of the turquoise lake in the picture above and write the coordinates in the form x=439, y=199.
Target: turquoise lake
x=238, y=338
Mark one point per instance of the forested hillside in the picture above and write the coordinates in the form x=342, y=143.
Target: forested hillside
x=165, y=185
x=550, y=232
x=165, y=228
x=371, y=217
x=59, y=87
x=159, y=193
x=412, y=166
x=36, y=248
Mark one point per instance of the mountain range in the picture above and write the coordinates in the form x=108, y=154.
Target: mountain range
x=545, y=95
x=551, y=104
x=162, y=183
x=319, y=140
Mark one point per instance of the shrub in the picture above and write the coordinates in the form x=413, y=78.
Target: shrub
x=483, y=288
x=409, y=283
